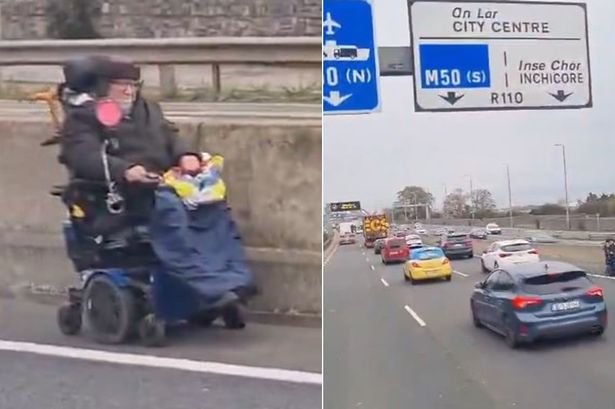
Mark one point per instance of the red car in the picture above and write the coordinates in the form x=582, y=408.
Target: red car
x=394, y=249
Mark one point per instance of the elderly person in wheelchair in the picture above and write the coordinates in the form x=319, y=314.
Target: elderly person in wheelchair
x=149, y=253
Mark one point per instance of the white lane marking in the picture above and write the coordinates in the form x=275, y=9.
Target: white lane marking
x=372, y=267
x=273, y=374
x=331, y=255
x=461, y=274
x=415, y=316
x=384, y=282
x=601, y=276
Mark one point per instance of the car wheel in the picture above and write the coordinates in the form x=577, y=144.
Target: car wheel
x=475, y=319
x=598, y=331
x=482, y=267
x=405, y=276
x=412, y=281
x=511, y=337
x=449, y=278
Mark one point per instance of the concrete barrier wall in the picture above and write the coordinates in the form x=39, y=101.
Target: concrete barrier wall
x=273, y=169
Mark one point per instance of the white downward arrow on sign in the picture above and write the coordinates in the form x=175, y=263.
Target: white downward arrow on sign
x=335, y=98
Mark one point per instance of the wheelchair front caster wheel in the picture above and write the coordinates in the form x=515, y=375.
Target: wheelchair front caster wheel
x=152, y=331
x=233, y=316
x=69, y=319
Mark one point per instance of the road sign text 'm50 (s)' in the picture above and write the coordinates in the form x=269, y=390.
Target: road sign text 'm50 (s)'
x=350, y=61
x=499, y=55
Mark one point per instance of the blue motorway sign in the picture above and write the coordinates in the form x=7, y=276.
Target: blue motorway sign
x=350, y=61
x=446, y=66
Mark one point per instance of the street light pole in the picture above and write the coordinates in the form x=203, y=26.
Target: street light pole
x=472, y=210
x=510, y=211
x=565, y=183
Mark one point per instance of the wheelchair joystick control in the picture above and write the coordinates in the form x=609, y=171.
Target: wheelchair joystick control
x=115, y=203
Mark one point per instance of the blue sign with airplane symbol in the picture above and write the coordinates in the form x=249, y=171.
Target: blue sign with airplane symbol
x=350, y=63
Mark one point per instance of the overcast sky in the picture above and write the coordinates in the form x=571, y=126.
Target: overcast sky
x=371, y=157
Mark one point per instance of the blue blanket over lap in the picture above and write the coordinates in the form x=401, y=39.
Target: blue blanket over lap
x=202, y=248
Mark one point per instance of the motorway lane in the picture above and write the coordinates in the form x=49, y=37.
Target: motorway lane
x=567, y=374
x=28, y=381
x=31, y=381
x=375, y=356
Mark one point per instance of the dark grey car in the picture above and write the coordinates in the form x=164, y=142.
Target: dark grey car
x=456, y=245
x=378, y=245
x=527, y=302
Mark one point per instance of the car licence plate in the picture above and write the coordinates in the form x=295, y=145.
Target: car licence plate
x=565, y=306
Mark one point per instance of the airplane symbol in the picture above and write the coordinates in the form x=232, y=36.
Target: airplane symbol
x=330, y=24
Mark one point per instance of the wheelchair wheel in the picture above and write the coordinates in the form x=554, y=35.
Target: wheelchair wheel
x=69, y=319
x=109, y=311
x=152, y=331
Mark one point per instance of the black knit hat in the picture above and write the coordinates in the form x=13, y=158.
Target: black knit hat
x=93, y=73
x=113, y=68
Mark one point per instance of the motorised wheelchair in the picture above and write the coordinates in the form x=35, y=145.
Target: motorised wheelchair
x=123, y=290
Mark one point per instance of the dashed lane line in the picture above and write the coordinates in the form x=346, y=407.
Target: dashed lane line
x=415, y=316
x=384, y=282
x=461, y=274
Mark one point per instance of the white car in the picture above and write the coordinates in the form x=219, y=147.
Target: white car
x=508, y=252
x=493, y=228
x=348, y=238
x=413, y=241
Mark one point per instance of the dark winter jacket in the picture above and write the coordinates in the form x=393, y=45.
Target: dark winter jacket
x=146, y=139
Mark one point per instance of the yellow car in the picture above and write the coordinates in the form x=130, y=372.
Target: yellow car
x=427, y=263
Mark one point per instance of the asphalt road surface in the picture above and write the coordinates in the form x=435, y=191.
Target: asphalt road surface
x=273, y=367
x=388, y=344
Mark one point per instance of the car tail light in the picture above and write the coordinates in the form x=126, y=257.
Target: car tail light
x=468, y=241
x=595, y=292
x=415, y=264
x=505, y=255
x=445, y=244
x=445, y=261
x=520, y=302
x=533, y=252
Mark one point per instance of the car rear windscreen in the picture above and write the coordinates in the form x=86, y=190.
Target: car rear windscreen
x=511, y=248
x=430, y=254
x=456, y=237
x=395, y=244
x=556, y=283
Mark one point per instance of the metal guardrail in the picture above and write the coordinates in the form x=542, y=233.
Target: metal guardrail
x=214, y=51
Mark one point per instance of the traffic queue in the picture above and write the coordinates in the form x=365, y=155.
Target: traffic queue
x=519, y=296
